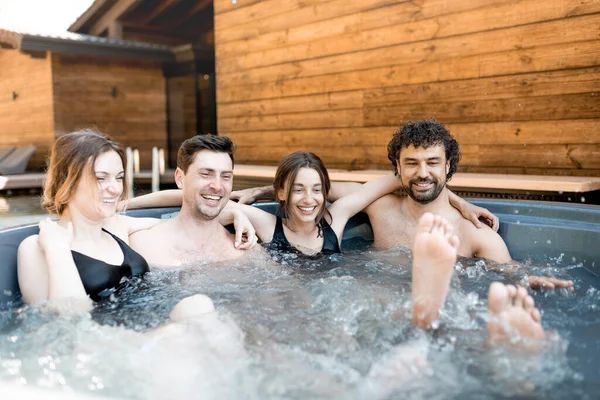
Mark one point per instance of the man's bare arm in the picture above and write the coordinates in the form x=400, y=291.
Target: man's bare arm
x=163, y=198
x=492, y=247
x=489, y=245
x=249, y=196
x=340, y=189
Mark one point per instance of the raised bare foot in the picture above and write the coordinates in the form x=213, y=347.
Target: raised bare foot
x=434, y=256
x=515, y=318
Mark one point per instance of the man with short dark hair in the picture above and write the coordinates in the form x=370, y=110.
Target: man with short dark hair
x=205, y=175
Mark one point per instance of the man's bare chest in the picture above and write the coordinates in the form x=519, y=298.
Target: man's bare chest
x=391, y=229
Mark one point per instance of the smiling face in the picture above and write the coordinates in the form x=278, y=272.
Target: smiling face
x=304, y=196
x=98, y=193
x=423, y=172
x=207, y=184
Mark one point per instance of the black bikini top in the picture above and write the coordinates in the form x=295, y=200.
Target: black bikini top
x=280, y=242
x=97, y=276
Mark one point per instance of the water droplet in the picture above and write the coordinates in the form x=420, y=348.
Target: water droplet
x=582, y=199
x=516, y=211
x=549, y=241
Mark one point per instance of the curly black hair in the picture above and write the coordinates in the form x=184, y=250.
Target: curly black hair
x=424, y=133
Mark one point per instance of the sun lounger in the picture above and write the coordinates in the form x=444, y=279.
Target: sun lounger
x=16, y=161
x=5, y=151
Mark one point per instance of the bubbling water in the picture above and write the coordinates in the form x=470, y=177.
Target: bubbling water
x=331, y=327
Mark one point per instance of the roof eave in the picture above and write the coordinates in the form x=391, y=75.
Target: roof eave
x=31, y=43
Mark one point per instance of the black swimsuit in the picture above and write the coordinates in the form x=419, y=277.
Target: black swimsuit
x=98, y=276
x=330, y=240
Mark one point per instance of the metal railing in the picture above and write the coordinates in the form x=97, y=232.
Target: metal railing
x=133, y=168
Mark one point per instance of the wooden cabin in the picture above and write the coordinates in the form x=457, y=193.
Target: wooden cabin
x=56, y=84
x=518, y=82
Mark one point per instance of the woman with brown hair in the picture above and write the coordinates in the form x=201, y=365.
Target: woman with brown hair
x=86, y=252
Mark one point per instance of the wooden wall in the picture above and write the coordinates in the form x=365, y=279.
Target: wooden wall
x=27, y=119
x=135, y=117
x=518, y=82
x=182, y=111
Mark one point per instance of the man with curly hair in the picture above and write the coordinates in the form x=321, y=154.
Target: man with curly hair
x=425, y=155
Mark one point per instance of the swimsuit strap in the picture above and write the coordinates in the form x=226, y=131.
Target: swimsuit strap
x=330, y=240
x=279, y=234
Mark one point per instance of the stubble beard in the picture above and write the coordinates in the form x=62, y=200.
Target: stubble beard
x=206, y=213
x=203, y=212
x=424, y=197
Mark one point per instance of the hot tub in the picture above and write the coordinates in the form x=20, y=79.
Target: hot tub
x=563, y=236
x=536, y=231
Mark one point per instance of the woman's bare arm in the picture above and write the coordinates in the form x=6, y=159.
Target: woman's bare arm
x=344, y=208
x=47, y=272
x=263, y=222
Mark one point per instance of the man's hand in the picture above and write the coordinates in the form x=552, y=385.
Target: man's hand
x=245, y=235
x=249, y=196
x=245, y=196
x=538, y=282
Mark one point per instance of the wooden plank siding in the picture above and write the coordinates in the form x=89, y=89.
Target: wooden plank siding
x=182, y=110
x=27, y=119
x=136, y=116
x=518, y=82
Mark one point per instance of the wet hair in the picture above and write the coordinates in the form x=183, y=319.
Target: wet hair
x=73, y=155
x=424, y=133
x=288, y=170
x=190, y=147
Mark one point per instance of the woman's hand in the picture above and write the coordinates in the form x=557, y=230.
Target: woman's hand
x=245, y=234
x=475, y=213
x=53, y=237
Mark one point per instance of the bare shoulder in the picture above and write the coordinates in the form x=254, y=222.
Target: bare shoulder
x=117, y=225
x=384, y=204
x=482, y=242
x=29, y=244
x=29, y=253
x=471, y=232
x=155, y=233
